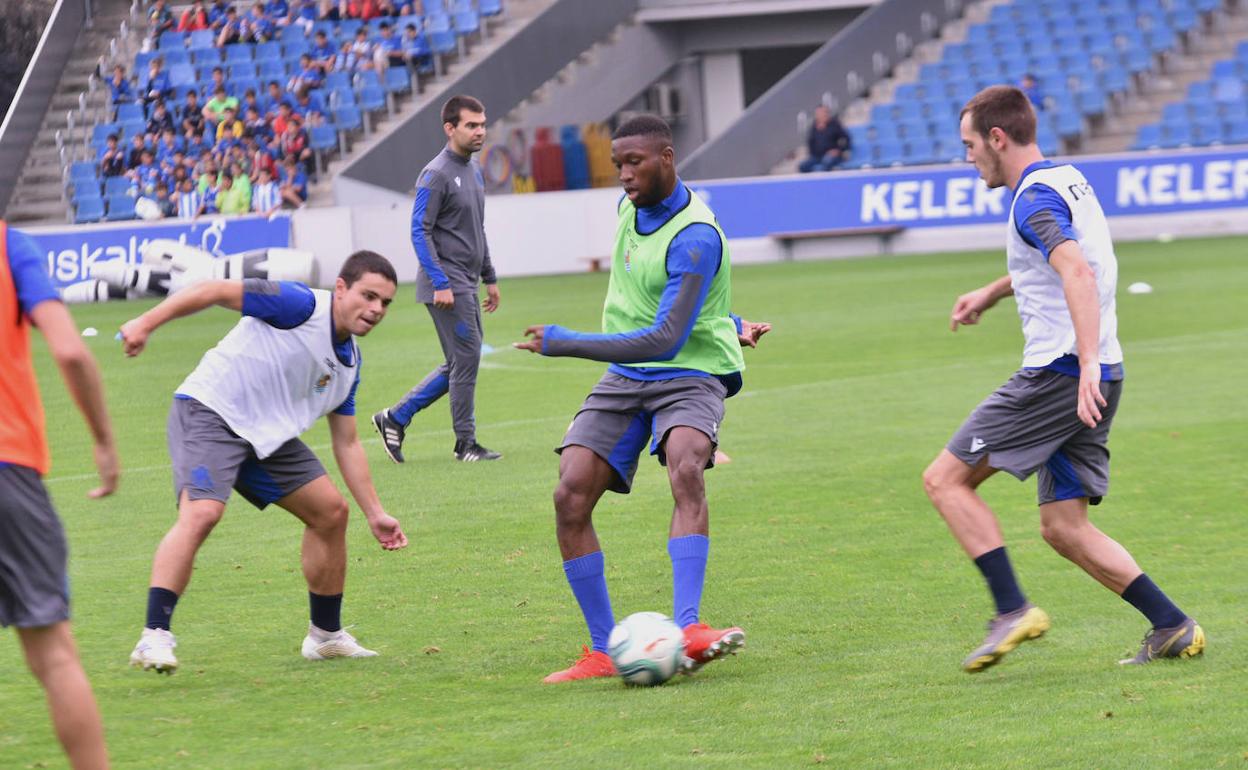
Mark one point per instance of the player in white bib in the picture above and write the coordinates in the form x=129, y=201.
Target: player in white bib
x=235, y=424
x=1052, y=418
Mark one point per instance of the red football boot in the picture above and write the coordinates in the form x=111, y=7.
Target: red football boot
x=704, y=644
x=592, y=663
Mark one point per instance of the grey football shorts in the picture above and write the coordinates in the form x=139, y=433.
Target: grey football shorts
x=209, y=460
x=621, y=415
x=1029, y=425
x=34, y=586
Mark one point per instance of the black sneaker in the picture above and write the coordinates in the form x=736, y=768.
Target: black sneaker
x=391, y=435
x=470, y=451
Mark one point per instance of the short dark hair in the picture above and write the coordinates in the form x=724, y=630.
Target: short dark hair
x=1003, y=107
x=458, y=103
x=362, y=262
x=644, y=125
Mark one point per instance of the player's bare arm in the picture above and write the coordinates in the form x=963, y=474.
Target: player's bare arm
x=228, y=294
x=353, y=463
x=82, y=379
x=1079, y=286
x=970, y=306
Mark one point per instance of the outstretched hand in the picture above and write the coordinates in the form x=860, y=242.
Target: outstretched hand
x=751, y=332
x=533, y=345
x=388, y=532
x=133, y=337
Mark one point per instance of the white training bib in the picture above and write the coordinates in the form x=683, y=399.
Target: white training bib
x=270, y=384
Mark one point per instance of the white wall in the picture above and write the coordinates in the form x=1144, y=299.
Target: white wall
x=723, y=90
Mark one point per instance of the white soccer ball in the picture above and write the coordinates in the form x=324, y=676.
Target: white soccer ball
x=647, y=648
x=147, y=209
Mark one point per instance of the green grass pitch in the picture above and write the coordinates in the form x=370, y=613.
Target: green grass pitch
x=857, y=604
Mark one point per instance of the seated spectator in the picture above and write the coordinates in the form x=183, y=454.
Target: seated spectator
x=194, y=144
x=328, y=10
x=158, y=85
x=167, y=147
x=159, y=122
x=230, y=126
x=146, y=174
x=194, y=18
x=173, y=171
x=206, y=172
x=255, y=125
x=137, y=148
x=217, y=14
x=119, y=89
x=215, y=109
x=159, y=20
x=389, y=50
x=250, y=102
x=208, y=195
x=278, y=12
x=285, y=114
x=163, y=201
x=309, y=104
x=304, y=13
x=231, y=28
x=191, y=113
x=386, y=9
x=1031, y=87
x=323, y=52
x=294, y=183
x=827, y=142
x=310, y=76
x=294, y=141
x=276, y=98
x=356, y=55
x=260, y=157
x=266, y=196
x=257, y=28
x=190, y=201
x=113, y=159
x=230, y=198
x=416, y=49
x=216, y=81
x=358, y=9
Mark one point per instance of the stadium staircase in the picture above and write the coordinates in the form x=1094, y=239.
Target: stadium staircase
x=1115, y=76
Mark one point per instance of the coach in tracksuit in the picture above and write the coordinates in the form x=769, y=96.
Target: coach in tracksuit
x=448, y=233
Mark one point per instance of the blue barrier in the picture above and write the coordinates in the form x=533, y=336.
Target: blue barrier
x=71, y=251
x=944, y=196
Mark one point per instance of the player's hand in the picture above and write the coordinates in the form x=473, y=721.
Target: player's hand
x=134, y=336
x=1090, y=398
x=968, y=308
x=109, y=468
x=492, y=298
x=751, y=332
x=388, y=532
x=533, y=345
x=443, y=299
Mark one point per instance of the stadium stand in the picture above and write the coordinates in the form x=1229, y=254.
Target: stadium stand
x=1214, y=112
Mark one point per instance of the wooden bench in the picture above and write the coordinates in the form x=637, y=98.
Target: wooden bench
x=885, y=233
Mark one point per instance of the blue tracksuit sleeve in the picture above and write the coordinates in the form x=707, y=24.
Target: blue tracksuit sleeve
x=693, y=259
x=1043, y=218
x=29, y=270
x=280, y=304
x=429, y=191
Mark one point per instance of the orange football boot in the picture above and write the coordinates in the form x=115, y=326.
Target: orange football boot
x=704, y=644
x=592, y=663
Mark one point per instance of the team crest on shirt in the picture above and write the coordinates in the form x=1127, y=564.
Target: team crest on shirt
x=628, y=256
x=322, y=382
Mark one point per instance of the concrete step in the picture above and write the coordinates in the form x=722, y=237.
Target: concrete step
x=51, y=212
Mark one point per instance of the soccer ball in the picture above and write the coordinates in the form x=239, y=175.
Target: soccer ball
x=646, y=648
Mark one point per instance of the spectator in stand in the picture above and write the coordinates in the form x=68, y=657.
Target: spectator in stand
x=304, y=14
x=191, y=113
x=416, y=50
x=358, y=54
x=294, y=183
x=257, y=28
x=206, y=174
x=216, y=80
x=231, y=28
x=163, y=202
x=328, y=10
x=323, y=52
x=167, y=147
x=119, y=89
x=311, y=106
x=230, y=126
x=1031, y=88
x=266, y=196
x=276, y=98
x=146, y=174
x=250, y=102
x=278, y=12
x=358, y=9
x=828, y=142
x=190, y=200
x=159, y=122
x=216, y=15
x=135, y=156
x=228, y=199
x=215, y=109
x=256, y=126
x=241, y=169
x=159, y=20
x=285, y=114
x=158, y=85
x=389, y=50
x=196, y=145
x=194, y=18
x=310, y=76
x=208, y=194
x=173, y=173
x=386, y=9
x=113, y=159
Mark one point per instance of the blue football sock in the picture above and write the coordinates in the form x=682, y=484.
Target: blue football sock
x=326, y=611
x=1145, y=596
x=587, y=576
x=1001, y=582
x=430, y=389
x=688, y=575
x=160, y=604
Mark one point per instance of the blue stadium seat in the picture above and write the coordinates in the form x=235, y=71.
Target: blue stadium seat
x=88, y=210
x=120, y=208
x=885, y=132
x=1148, y=137
x=366, y=78
x=242, y=70
x=435, y=8
x=907, y=110
x=912, y=129
x=271, y=70
x=1201, y=109
x=101, y=131
x=238, y=53
x=1069, y=124
x=182, y=77
x=171, y=40
x=348, y=118
x=1183, y=19
x=442, y=41
x=206, y=56
x=337, y=79
x=268, y=51
x=888, y=153
x=467, y=22
x=117, y=185
x=397, y=81
x=1174, y=136
x=1233, y=111
x=490, y=7
x=372, y=98
x=1202, y=89
x=176, y=56
x=201, y=40
x=292, y=33
x=82, y=172
x=130, y=111
x=322, y=138
x=238, y=86
x=1237, y=132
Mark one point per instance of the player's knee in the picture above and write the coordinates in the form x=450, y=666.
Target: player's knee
x=335, y=515
x=201, y=515
x=1058, y=535
x=570, y=504
x=934, y=482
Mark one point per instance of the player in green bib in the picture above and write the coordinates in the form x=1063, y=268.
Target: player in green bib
x=675, y=354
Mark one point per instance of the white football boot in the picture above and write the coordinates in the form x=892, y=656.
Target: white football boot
x=323, y=645
x=154, y=652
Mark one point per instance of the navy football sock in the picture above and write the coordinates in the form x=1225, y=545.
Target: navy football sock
x=160, y=604
x=326, y=611
x=1145, y=596
x=689, y=554
x=587, y=576
x=995, y=565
